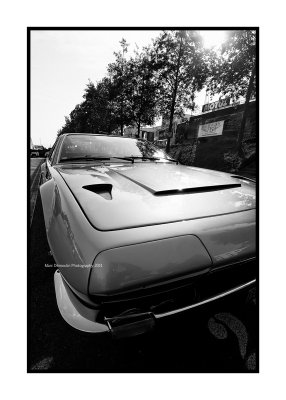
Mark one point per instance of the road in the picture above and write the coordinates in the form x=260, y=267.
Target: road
x=35, y=164
x=221, y=337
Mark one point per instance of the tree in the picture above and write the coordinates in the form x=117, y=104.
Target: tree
x=163, y=78
x=183, y=69
x=108, y=121
x=76, y=121
x=95, y=113
x=98, y=106
x=118, y=74
x=145, y=88
x=234, y=72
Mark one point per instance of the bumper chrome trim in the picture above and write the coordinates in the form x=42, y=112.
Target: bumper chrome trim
x=200, y=303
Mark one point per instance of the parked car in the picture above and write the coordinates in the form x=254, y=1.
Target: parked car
x=161, y=143
x=137, y=237
x=47, y=151
x=34, y=153
x=37, y=151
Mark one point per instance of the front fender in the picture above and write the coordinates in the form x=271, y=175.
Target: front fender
x=69, y=234
x=47, y=192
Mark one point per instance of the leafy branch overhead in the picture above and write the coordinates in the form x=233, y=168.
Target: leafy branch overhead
x=233, y=73
x=231, y=69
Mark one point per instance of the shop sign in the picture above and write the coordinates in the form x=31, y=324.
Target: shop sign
x=211, y=129
x=216, y=105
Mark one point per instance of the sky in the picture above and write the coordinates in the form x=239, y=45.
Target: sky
x=62, y=62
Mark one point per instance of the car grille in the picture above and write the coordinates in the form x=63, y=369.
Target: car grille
x=185, y=291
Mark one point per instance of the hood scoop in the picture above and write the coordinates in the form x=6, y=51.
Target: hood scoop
x=160, y=183
x=102, y=189
x=201, y=189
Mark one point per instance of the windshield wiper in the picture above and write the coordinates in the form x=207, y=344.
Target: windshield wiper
x=86, y=158
x=129, y=158
x=144, y=158
x=153, y=158
x=124, y=158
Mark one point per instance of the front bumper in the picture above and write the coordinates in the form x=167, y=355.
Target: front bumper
x=73, y=311
x=133, y=314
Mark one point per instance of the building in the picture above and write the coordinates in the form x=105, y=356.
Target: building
x=214, y=133
x=150, y=133
x=164, y=131
x=157, y=133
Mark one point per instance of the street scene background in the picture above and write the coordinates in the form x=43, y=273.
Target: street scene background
x=195, y=98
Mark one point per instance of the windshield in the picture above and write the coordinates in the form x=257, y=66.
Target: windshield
x=105, y=147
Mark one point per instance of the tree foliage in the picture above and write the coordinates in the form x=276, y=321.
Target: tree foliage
x=128, y=95
x=183, y=68
x=118, y=73
x=95, y=113
x=232, y=68
x=145, y=88
x=233, y=73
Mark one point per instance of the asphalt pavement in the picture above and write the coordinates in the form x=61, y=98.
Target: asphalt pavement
x=35, y=164
x=220, y=337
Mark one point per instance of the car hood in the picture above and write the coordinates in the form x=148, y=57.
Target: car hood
x=120, y=196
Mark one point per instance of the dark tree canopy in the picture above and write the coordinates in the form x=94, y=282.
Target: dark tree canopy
x=231, y=69
x=233, y=73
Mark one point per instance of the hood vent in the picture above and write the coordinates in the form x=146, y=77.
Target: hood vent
x=102, y=189
x=202, y=189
